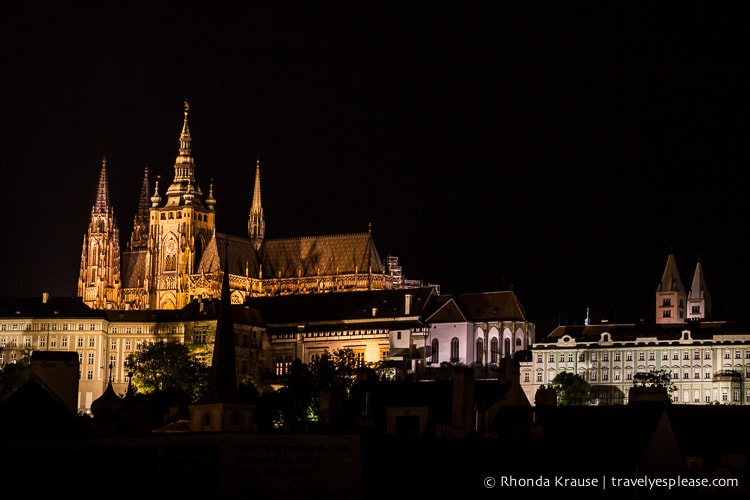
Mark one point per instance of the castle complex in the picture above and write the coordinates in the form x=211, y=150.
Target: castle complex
x=290, y=300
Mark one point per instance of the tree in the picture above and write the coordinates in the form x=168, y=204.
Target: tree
x=656, y=378
x=572, y=389
x=298, y=399
x=168, y=371
x=335, y=370
x=297, y=403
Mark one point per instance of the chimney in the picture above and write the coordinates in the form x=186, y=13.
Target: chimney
x=407, y=304
x=45, y=297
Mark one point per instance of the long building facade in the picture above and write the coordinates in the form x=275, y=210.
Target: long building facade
x=175, y=253
x=708, y=361
x=409, y=332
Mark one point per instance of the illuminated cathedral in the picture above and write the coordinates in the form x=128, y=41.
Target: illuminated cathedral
x=175, y=254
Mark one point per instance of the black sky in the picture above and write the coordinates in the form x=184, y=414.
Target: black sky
x=559, y=150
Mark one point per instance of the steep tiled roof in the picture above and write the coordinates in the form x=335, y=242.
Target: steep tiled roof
x=479, y=306
x=294, y=257
x=241, y=260
x=321, y=256
x=133, y=268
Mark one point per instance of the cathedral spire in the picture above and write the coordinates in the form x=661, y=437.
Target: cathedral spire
x=183, y=189
x=102, y=191
x=139, y=236
x=256, y=225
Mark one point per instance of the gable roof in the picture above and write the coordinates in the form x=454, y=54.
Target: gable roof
x=476, y=307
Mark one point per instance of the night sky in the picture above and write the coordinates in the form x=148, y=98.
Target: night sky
x=559, y=151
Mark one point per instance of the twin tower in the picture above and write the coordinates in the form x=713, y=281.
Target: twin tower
x=175, y=254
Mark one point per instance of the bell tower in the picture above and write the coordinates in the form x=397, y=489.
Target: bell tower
x=670, y=295
x=181, y=226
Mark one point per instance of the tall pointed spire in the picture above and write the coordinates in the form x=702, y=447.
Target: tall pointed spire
x=670, y=295
x=670, y=280
x=699, y=300
x=183, y=189
x=102, y=192
x=256, y=225
x=139, y=236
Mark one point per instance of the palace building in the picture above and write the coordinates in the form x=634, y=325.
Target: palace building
x=708, y=361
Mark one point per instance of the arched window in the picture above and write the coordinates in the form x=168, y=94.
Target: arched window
x=494, y=348
x=506, y=345
x=454, y=350
x=434, y=358
x=480, y=351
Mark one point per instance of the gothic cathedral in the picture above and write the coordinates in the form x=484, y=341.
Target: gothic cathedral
x=174, y=256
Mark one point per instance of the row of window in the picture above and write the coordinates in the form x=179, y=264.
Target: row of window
x=43, y=327
x=642, y=356
x=707, y=396
x=494, y=353
x=178, y=215
x=42, y=342
x=593, y=375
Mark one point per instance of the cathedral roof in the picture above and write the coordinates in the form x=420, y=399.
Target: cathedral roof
x=241, y=261
x=294, y=257
x=321, y=256
x=133, y=268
